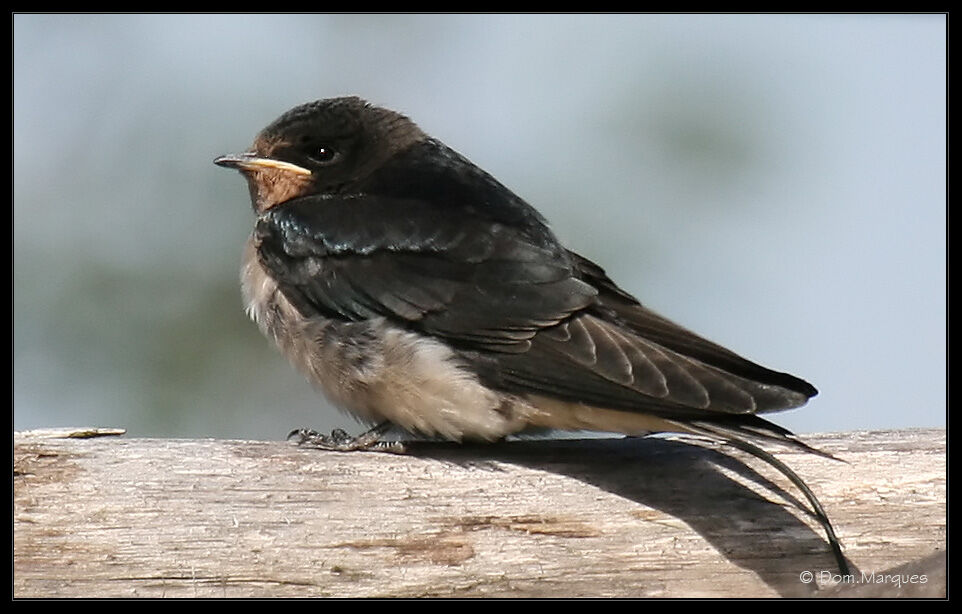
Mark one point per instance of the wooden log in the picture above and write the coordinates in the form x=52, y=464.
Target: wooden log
x=654, y=517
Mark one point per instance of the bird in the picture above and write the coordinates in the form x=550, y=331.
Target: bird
x=417, y=292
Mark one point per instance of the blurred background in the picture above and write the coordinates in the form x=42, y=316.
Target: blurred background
x=776, y=183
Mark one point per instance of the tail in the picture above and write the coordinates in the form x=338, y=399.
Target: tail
x=736, y=433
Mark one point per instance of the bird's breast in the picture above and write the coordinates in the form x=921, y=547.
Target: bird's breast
x=379, y=371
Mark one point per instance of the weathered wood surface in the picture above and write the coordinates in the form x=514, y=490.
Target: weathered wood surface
x=117, y=517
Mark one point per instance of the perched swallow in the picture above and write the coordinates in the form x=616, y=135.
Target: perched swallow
x=415, y=290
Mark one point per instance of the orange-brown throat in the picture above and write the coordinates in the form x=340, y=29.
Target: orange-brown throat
x=270, y=187
x=271, y=181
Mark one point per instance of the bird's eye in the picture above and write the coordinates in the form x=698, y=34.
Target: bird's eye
x=324, y=155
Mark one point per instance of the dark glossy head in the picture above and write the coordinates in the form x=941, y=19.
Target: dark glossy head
x=322, y=147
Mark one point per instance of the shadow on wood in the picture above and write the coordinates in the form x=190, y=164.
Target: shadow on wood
x=688, y=482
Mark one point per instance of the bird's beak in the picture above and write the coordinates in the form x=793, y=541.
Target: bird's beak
x=253, y=162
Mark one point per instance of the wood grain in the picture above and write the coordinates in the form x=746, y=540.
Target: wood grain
x=655, y=517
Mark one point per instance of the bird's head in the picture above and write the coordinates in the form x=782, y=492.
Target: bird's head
x=318, y=148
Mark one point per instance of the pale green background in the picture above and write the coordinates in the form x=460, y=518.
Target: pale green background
x=775, y=182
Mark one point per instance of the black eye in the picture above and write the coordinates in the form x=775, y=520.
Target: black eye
x=323, y=155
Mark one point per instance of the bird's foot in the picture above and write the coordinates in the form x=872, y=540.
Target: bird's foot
x=340, y=441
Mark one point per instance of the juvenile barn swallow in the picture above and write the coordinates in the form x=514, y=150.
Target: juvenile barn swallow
x=415, y=290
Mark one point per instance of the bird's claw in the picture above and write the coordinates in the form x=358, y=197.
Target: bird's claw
x=341, y=441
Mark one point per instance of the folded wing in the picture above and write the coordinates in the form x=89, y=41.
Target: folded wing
x=529, y=316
